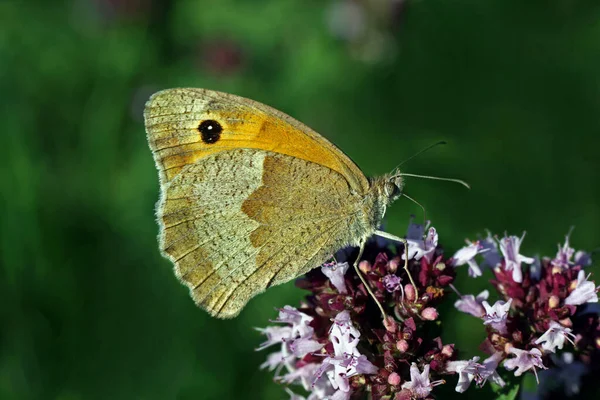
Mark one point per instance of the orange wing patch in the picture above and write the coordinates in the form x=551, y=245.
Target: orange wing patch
x=180, y=130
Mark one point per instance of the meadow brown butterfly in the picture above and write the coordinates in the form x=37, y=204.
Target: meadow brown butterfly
x=250, y=197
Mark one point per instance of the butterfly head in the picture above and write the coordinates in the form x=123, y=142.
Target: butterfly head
x=389, y=188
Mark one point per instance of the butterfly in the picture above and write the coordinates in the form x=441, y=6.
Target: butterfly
x=251, y=198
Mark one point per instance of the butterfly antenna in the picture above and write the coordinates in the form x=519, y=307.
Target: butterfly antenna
x=437, y=178
x=420, y=205
x=418, y=153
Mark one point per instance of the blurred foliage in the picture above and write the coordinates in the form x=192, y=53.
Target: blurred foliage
x=91, y=311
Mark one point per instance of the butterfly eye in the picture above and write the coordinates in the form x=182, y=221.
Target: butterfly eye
x=391, y=190
x=210, y=131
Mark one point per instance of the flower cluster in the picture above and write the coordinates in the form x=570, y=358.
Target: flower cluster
x=337, y=344
x=541, y=308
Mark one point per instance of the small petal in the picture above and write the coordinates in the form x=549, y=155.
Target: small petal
x=554, y=337
x=496, y=315
x=585, y=291
x=489, y=371
x=363, y=366
x=466, y=255
x=524, y=360
x=392, y=283
x=564, y=254
x=418, y=248
x=344, y=336
x=472, y=305
x=583, y=259
x=491, y=256
x=336, y=273
x=466, y=370
x=275, y=335
x=298, y=320
x=419, y=384
x=509, y=246
x=302, y=346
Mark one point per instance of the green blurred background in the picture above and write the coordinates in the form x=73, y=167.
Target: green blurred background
x=90, y=310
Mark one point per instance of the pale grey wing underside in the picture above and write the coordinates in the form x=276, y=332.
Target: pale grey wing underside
x=236, y=222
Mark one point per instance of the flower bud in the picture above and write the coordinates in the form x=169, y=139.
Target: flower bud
x=393, y=265
x=566, y=322
x=364, y=266
x=553, y=302
x=448, y=350
x=409, y=292
x=402, y=346
x=390, y=324
x=394, y=379
x=429, y=314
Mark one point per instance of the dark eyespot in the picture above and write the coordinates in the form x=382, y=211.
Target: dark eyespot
x=210, y=131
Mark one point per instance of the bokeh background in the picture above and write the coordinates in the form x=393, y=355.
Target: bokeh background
x=89, y=308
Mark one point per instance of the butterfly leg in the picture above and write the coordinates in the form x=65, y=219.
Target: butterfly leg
x=405, y=243
x=359, y=273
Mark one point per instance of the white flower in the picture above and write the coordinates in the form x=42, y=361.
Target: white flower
x=466, y=255
x=472, y=370
x=524, y=360
x=509, y=246
x=496, y=315
x=295, y=339
x=585, y=291
x=335, y=273
x=489, y=371
x=347, y=360
x=555, y=337
x=419, y=383
x=418, y=248
x=466, y=370
x=564, y=254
